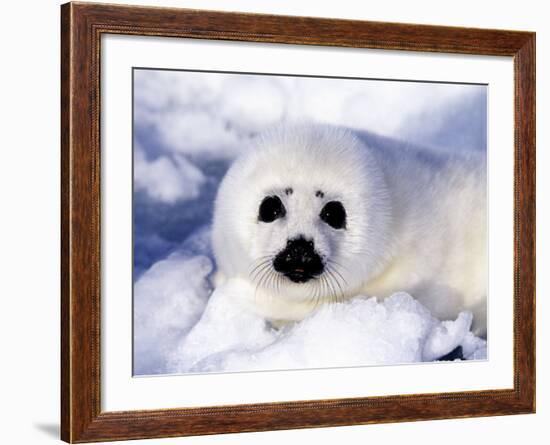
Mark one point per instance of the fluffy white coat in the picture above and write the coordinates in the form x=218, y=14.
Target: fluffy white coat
x=416, y=222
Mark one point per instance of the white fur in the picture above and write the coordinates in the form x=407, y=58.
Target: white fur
x=416, y=222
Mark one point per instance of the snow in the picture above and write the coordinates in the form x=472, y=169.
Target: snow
x=167, y=179
x=211, y=114
x=182, y=325
x=168, y=300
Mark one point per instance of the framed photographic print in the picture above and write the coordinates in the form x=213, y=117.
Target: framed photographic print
x=274, y=222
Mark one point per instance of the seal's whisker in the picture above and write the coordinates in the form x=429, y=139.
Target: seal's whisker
x=335, y=270
x=330, y=286
x=336, y=264
x=339, y=296
x=318, y=292
x=258, y=265
x=325, y=286
x=261, y=280
x=314, y=295
x=272, y=279
x=260, y=271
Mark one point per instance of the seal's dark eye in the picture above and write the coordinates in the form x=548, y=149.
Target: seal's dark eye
x=271, y=209
x=334, y=215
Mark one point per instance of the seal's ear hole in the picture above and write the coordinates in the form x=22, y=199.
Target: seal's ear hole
x=334, y=214
x=271, y=209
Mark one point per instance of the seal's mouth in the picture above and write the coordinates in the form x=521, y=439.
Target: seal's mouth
x=299, y=276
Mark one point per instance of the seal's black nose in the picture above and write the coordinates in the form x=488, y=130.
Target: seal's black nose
x=299, y=261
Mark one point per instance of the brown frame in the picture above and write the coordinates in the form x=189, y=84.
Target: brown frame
x=82, y=25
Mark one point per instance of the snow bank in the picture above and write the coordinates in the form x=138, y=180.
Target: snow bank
x=360, y=332
x=212, y=114
x=179, y=328
x=167, y=179
x=168, y=300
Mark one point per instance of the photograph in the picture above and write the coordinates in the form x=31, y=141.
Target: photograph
x=273, y=222
x=291, y=222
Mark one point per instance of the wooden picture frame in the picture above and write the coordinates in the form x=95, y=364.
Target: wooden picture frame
x=82, y=25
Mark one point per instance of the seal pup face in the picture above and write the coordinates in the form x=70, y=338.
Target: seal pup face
x=302, y=215
x=301, y=259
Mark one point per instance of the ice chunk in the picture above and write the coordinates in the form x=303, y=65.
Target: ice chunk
x=224, y=326
x=446, y=336
x=359, y=332
x=168, y=300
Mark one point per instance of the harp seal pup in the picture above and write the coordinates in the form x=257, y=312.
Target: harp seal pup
x=314, y=214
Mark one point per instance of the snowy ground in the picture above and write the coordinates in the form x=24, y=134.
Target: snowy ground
x=182, y=326
x=189, y=127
